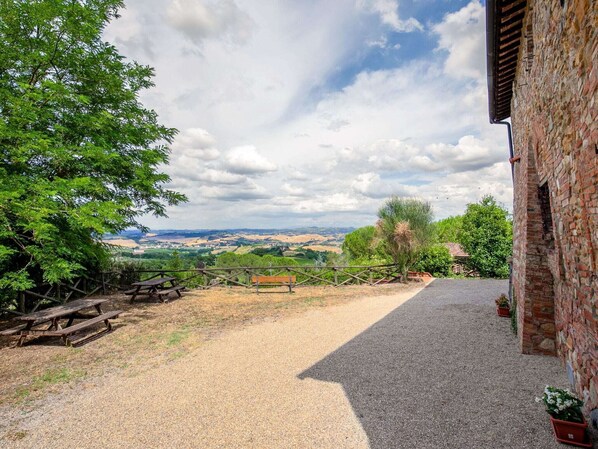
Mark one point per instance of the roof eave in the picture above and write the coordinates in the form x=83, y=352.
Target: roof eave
x=506, y=17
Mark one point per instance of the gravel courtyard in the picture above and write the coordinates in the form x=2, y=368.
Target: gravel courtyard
x=434, y=370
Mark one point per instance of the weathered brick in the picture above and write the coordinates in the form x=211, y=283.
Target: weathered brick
x=555, y=129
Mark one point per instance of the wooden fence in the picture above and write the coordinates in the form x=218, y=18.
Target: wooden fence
x=200, y=278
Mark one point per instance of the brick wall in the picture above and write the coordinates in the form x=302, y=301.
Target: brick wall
x=555, y=130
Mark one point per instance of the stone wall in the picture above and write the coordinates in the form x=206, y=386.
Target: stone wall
x=555, y=130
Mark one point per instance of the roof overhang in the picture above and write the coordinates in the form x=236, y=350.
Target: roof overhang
x=504, y=23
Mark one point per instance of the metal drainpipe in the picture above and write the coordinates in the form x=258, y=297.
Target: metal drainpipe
x=511, y=153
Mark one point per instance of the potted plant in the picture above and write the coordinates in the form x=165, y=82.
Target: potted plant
x=567, y=420
x=502, y=306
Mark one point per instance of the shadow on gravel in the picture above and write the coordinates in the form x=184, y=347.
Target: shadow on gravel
x=443, y=371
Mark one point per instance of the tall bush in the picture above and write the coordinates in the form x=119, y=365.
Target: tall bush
x=487, y=235
x=404, y=228
x=436, y=260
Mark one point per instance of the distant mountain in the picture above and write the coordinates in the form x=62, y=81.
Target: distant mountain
x=316, y=238
x=135, y=234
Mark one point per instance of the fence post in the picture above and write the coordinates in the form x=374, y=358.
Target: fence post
x=58, y=293
x=103, y=284
x=22, y=302
x=335, y=276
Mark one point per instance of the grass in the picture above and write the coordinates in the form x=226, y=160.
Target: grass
x=47, y=379
x=176, y=337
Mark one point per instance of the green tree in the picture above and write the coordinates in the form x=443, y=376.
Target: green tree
x=447, y=230
x=487, y=235
x=361, y=244
x=405, y=228
x=435, y=259
x=79, y=154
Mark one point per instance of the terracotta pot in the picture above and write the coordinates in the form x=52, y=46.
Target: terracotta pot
x=503, y=311
x=570, y=432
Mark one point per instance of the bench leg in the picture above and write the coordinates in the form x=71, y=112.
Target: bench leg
x=22, y=339
x=135, y=294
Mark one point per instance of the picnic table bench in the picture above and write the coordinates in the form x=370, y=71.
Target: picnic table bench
x=155, y=287
x=273, y=281
x=70, y=311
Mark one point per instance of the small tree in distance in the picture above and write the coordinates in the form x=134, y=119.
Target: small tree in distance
x=405, y=227
x=362, y=247
x=447, y=229
x=487, y=235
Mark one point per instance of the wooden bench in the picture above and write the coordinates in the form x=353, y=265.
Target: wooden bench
x=69, y=311
x=155, y=287
x=13, y=330
x=133, y=291
x=273, y=281
x=17, y=329
x=65, y=332
x=166, y=291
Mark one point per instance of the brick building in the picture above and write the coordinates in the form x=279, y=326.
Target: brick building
x=543, y=74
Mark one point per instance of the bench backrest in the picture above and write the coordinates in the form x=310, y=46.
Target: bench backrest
x=273, y=279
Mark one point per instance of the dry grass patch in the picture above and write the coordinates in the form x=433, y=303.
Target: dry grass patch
x=151, y=333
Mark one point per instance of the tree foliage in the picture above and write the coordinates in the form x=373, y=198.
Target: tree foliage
x=405, y=227
x=79, y=154
x=435, y=259
x=487, y=235
x=362, y=247
x=358, y=243
x=253, y=260
x=447, y=230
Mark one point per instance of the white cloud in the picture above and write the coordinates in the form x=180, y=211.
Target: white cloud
x=468, y=154
x=246, y=160
x=199, y=19
x=379, y=43
x=212, y=176
x=389, y=15
x=373, y=186
x=196, y=143
x=296, y=175
x=247, y=191
x=195, y=138
x=292, y=190
x=460, y=34
x=336, y=202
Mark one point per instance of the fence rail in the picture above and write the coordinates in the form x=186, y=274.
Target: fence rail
x=200, y=278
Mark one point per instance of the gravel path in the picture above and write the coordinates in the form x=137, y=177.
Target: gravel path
x=440, y=371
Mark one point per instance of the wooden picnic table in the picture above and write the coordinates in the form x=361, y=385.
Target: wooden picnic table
x=156, y=286
x=69, y=311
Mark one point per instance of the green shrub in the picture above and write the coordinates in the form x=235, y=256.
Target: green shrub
x=436, y=260
x=487, y=236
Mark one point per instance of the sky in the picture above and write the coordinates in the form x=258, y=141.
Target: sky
x=313, y=112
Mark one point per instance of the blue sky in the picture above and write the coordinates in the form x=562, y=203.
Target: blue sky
x=311, y=113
